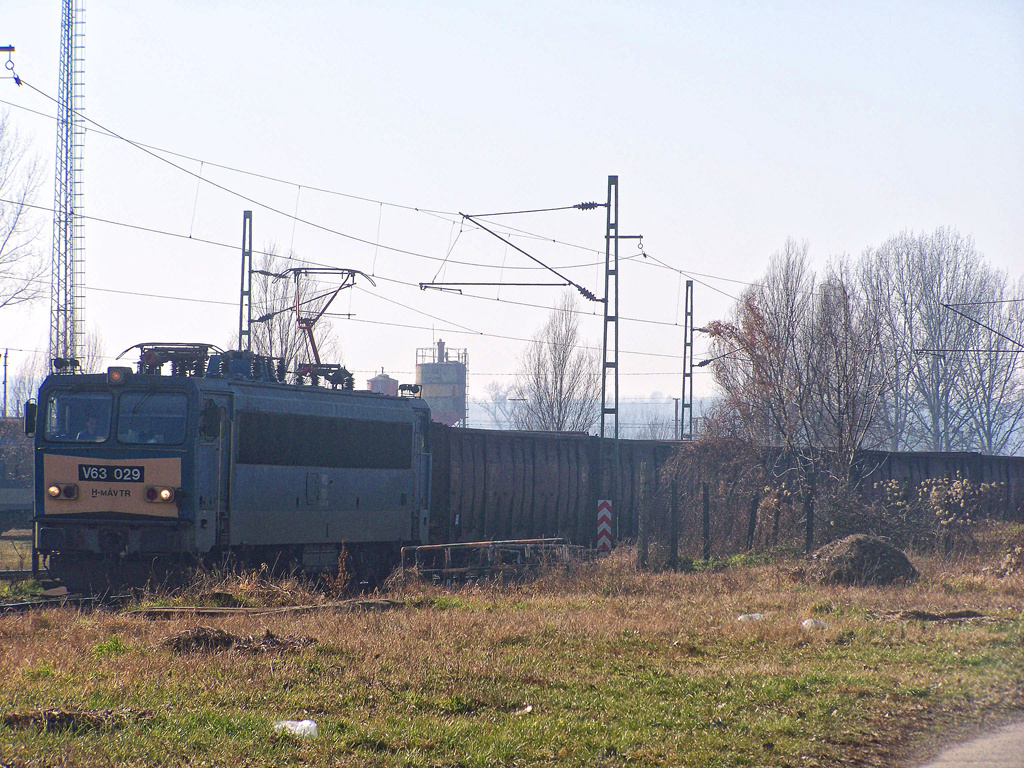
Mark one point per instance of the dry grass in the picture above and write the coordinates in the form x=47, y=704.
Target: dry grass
x=16, y=550
x=616, y=667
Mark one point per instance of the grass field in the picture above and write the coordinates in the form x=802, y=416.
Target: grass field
x=600, y=666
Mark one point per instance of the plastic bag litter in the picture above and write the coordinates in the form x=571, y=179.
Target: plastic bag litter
x=750, y=617
x=814, y=624
x=304, y=729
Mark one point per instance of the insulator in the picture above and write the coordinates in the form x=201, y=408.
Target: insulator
x=588, y=206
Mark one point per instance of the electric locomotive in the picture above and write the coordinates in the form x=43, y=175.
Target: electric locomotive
x=141, y=473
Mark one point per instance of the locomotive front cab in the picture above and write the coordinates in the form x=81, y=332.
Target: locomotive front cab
x=111, y=454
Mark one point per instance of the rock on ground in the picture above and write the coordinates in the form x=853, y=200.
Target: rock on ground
x=860, y=559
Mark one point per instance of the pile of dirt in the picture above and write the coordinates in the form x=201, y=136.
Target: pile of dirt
x=268, y=642
x=860, y=560
x=210, y=639
x=54, y=719
x=201, y=639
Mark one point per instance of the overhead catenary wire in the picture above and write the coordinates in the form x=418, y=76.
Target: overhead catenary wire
x=153, y=152
x=166, y=233
x=454, y=330
x=419, y=209
x=200, y=179
x=240, y=195
x=449, y=215
x=990, y=329
x=310, y=262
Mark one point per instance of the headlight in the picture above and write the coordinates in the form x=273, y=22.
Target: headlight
x=156, y=494
x=65, y=491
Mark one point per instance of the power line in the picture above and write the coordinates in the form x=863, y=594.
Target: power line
x=457, y=330
x=690, y=275
x=246, y=198
x=452, y=216
x=988, y=328
x=153, y=230
x=296, y=259
x=982, y=303
x=447, y=215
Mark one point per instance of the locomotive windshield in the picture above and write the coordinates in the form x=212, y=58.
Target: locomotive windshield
x=75, y=416
x=152, y=418
x=79, y=417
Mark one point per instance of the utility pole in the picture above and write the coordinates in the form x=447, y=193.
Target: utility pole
x=610, y=399
x=6, y=352
x=686, y=433
x=611, y=313
x=245, y=299
x=67, y=276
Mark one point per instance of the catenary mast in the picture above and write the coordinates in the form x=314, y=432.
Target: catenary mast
x=67, y=280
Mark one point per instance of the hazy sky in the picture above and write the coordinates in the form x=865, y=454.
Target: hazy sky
x=731, y=126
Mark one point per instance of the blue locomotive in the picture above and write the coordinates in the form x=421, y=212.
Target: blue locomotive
x=141, y=472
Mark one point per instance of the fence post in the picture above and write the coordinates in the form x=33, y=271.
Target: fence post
x=809, y=517
x=752, y=522
x=643, y=519
x=706, y=522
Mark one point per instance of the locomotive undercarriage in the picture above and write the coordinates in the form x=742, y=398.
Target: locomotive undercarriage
x=106, y=556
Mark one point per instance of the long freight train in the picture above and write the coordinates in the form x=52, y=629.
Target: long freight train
x=139, y=473
x=221, y=459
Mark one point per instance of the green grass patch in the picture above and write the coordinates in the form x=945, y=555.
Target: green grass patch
x=112, y=646
x=13, y=591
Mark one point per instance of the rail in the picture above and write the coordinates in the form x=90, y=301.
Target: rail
x=478, y=559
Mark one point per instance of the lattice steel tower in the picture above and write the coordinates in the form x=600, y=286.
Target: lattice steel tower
x=67, y=277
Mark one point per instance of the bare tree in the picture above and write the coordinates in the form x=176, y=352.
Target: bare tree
x=883, y=277
x=21, y=263
x=94, y=352
x=846, y=376
x=653, y=424
x=24, y=385
x=911, y=280
x=948, y=269
x=758, y=362
x=918, y=348
x=991, y=383
x=558, y=382
x=500, y=404
x=15, y=454
x=800, y=373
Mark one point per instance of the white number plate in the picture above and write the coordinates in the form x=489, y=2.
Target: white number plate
x=104, y=474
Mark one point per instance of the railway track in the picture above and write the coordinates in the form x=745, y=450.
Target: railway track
x=16, y=574
x=79, y=602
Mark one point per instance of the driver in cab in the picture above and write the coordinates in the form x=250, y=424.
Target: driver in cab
x=91, y=433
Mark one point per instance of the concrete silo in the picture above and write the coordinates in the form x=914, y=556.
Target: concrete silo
x=443, y=375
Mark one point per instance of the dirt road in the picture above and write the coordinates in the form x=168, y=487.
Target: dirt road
x=1003, y=748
